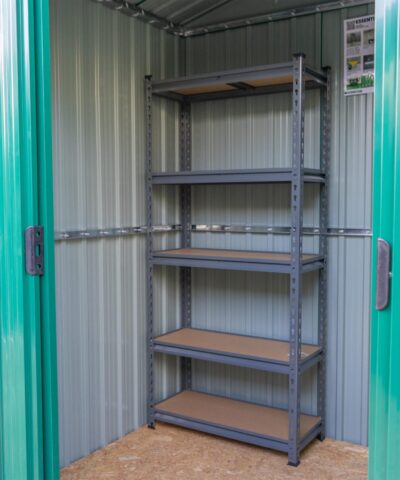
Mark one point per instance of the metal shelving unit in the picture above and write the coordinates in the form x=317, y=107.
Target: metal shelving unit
x=288, y=431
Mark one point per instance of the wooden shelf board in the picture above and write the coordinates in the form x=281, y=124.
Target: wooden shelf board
x=224, y=87
x=234, y=414
x=237, y=345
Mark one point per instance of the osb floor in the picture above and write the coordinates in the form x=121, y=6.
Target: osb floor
x=172, y=453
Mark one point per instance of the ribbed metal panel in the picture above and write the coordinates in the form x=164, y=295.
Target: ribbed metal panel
x=256, y=132
x=99, y=59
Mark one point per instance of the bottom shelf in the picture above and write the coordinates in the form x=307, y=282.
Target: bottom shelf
x=243, y=421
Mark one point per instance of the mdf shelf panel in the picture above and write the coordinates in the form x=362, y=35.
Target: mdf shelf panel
x=218, y=177
x=248, y=422
x=273, y=262
x=233, y=349
x=238, y=82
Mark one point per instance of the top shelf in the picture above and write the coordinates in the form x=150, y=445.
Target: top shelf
x=237, y=83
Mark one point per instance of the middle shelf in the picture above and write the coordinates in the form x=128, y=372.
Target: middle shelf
x=233, y=349
x=274, y=262
x=217, y=177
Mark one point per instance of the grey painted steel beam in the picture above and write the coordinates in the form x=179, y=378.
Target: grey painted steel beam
x=239, y=361
x=221, y=431
x=266, y=175
x=222, y=263
x=266, y=442
x=314, y=433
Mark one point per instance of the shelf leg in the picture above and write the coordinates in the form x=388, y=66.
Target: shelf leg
x=296, y=248
x=186, y=239
x=149, y=256
x=323, y=249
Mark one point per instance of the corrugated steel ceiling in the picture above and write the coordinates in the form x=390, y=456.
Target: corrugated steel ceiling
x=198, y=17
x=206, y=12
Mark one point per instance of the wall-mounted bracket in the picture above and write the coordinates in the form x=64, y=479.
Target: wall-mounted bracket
x=34, y=252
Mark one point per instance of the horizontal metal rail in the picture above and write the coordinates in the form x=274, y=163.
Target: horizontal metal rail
x=260, y=229
x=254, y=229
x=112, y=232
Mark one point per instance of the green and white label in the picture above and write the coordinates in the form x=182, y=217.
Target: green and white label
x=359, y=58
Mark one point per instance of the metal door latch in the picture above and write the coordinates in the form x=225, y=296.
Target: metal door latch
x=34, y=252
x=383, y=274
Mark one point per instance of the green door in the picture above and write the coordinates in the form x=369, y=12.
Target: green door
x=28, y=384
x=384, y=428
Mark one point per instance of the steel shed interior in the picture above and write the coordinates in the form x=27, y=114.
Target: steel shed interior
x=100, y=57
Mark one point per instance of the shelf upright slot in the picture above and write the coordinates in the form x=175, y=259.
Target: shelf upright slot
x=149, y=252
x=297, y=191
x=325, y=96
x=186, y=240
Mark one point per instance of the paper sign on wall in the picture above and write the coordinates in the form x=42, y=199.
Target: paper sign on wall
x=359, y=61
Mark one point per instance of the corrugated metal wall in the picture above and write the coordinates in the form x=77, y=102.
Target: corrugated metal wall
x=256, y=132
x=99, y=59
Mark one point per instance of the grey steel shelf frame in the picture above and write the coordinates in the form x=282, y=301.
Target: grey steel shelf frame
x=216, y=177
x=296, y=77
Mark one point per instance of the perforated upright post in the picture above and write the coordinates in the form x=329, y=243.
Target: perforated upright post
x=296, y=254
x=323, y=248
x=186, y=272
x=149, y=253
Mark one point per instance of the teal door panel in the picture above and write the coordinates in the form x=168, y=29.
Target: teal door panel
x=28, y=401
x=384, y=425
x=46, y=219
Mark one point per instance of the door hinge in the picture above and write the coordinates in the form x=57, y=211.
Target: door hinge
x=34, y=250
x=383, y=274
